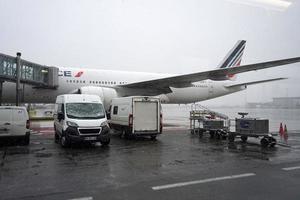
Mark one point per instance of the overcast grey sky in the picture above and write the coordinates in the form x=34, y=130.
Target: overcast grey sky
x=164, y=36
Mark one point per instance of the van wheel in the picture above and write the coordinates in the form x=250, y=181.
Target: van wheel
x=56, y=136
x=153, y=137
x=26, y=140
x=105, y=143
x=64, y=142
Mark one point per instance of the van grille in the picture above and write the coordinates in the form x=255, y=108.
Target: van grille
x=90, y=131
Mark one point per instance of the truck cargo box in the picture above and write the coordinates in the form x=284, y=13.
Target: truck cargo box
x=138, y=115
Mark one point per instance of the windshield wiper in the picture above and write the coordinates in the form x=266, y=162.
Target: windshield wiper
x=94, y=117
x=73, y=116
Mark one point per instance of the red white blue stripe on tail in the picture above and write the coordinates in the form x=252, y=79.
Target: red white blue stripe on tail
x=234, y=57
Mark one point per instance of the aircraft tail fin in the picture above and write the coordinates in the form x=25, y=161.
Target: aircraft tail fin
x=234, y=57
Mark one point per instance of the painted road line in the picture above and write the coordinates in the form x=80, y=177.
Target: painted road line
x=83, y=198
x=162, y=187
x=291, y=168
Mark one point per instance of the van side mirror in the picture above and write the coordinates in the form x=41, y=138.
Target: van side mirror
x=60, y=116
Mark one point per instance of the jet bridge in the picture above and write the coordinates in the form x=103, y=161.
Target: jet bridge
x=17, y=70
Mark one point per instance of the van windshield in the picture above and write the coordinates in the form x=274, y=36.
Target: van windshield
x=85, y=110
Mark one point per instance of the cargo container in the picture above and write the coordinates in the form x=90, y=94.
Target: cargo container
x=136, y=116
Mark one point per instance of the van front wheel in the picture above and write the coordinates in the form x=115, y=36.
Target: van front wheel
x=64, y=142
x=26, y=140
x=56, y=136
x=153, y=137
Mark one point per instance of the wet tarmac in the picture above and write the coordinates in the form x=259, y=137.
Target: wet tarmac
x=178, y=165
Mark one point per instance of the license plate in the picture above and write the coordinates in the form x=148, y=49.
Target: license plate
x=90, y=138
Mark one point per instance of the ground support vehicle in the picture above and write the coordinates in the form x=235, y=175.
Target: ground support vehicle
x=252, y=127
x=204, y=120
x=80, y=118
x=136, y=116
x=14, y=123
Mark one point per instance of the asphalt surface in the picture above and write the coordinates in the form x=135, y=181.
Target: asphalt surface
x=178, y=165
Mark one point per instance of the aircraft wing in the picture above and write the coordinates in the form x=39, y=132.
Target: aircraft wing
x=255, y=82
x=162, y=85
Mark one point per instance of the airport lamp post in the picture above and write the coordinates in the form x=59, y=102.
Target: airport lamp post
x=1, y=89
x=18, y=77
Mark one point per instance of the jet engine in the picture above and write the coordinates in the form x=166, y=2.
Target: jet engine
x=105, y=94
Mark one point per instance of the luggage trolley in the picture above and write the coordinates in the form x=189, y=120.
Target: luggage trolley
x=252, y=127
x=203, y=120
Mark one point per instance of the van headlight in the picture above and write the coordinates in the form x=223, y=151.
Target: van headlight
x=72, y=124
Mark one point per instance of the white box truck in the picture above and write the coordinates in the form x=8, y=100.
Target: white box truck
x=80, y=118
x=14, y=122
x=136, y=116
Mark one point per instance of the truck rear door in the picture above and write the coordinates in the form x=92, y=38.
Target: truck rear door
x=145, y=116
x=5, y=121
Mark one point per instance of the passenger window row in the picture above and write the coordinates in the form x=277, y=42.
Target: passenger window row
x=75, y=81
x=96, y=82
x=203, y=86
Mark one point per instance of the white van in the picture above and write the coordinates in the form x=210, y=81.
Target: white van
x=136, y=116
x=80, y=118
x=14, y=122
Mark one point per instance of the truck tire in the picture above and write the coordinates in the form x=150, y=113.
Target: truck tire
x=264, y=142
x=128, y=135
x=244, y=138
x=273, y=142
x=224, y=135
x=200, y=133
x=231, y=137
x=212, y=134
x=218, y=135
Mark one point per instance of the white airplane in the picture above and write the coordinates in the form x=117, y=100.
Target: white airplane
x=172, y=89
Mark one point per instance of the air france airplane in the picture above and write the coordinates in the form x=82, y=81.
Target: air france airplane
x=172, y=89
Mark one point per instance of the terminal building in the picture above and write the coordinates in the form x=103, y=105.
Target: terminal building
x=278, y=102
x=287, y=102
